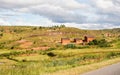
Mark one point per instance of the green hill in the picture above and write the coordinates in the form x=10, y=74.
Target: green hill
x=17, y=56
x=29, y=37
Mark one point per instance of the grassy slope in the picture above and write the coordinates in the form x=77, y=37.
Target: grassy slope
x=41, y=63
x=47, y=36
x=86, y=68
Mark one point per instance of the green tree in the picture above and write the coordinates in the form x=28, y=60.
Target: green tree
x=100, y=43
x=62, y=26
x=103, y=43
x=94, y=42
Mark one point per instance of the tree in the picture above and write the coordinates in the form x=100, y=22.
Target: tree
x=62, y=26
x=94, y=42
x=103, y=43
x=100, y=43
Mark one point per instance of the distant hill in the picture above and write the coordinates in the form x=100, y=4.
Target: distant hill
x=10, y=36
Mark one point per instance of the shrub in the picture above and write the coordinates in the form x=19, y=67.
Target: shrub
x=12, y=47
x=94, y=42
x=35, y=28
x=51, y=54
x=103, y=43
x=24, y=60
x=1, y=34
x=100, y=43
x=91, y=43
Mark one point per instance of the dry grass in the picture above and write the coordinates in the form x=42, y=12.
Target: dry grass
x=34, y=57
x=86, y=68
x=65, y=62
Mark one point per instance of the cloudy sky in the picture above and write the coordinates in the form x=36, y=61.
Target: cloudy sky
x=83, y=14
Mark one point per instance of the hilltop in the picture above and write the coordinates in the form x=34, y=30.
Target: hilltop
x=28, y=37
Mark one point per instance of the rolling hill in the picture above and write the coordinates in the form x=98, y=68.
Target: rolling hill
x=27, y=37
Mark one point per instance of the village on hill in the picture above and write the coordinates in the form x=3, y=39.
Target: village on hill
x=44, y=38
x=87, y=39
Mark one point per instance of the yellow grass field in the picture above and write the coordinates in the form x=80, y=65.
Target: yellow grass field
x=56, y=62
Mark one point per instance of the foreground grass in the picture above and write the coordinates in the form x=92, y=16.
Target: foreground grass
x=86, y=68
x=55, y=62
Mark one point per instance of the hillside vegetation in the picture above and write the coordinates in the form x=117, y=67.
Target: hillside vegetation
x=42, y=62
x=26, y=37
x=38, y=51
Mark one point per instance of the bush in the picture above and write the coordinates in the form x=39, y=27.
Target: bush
x=1, y=34
x=94, y=42
x=91, y=43
x=103, y=43
x=35, y=28
x=12, y=47
x=51, y=54
x=100, y=43
x=24, y=60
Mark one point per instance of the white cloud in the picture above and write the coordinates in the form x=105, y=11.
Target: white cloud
x=4, y=22
x=104, y=4
x=69, y=4
x=90, y=14
x=108, y=6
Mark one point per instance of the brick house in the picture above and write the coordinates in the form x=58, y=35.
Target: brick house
x=78, y=41
x=65, y=41
x=88, y=38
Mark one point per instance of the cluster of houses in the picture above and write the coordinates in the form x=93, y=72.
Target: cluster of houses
x=87, y=39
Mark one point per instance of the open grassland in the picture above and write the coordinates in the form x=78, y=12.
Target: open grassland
x=46, y=36
x=17, y=56
x=85, y=68
x=55, y=62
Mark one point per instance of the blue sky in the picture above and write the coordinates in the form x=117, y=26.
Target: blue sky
x=83, y=14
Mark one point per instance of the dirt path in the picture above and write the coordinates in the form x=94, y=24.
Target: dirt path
x=109, y=70
x=25, y=43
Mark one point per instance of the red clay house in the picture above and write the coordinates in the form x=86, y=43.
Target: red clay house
x=65, y=41
x=88, y=38
x=78, y=41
